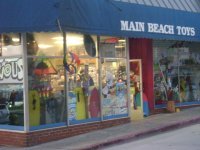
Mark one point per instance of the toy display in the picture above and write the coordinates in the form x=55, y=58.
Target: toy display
x=84, y=98
x=176, y=72
x=34, y=108
x=72, y=115
x=94, y=103
x=114, y=90
x=80, y=104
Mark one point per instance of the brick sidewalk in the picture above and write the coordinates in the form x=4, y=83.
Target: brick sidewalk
x=97, y=139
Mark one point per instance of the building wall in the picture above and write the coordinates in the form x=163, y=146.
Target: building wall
x=38, y=137
x=142, y=49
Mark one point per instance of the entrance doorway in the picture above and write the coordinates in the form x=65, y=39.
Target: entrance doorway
x=136, y=99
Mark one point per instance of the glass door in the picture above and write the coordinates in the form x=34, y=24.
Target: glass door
x=136, y=100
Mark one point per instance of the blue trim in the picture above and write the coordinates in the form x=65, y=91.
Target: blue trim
x=99, y=17
x=115, y=116
x=53, y=125
x=46, y=126
x=179, y=104
x=74, y=122
x=160, y=106
x=12, y=127
x=188, y=103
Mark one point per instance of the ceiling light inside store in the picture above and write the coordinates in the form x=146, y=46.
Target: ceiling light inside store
x=119, y=46
x=15, y=39
x=71, y=40
x=44, y=46
x=122, y=40
x=74, y=41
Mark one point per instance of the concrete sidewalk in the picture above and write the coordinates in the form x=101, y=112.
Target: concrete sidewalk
x=131, y=131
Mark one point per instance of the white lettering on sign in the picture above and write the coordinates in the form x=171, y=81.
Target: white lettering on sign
x=132, y=26
x=160, y=28
x=189, y=31
x=11, y=69
x=157, y=28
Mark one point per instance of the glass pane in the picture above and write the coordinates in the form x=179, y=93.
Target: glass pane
x=83, y=80
x=11, y=92
x=135, y=85
x=112, y=47
x=11, y=104
x=83, y=92
x=82, y=45
x=10, y=44
x=189, y=73
x=46, y=90
x=114, y=87
x=45, y=44
x=165, y=75
x=176, y=72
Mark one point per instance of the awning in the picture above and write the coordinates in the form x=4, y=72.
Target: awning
x=100, y=17
x=109, y=17
x=28, y=15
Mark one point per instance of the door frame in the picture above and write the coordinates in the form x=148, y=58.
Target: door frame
x=140, y=85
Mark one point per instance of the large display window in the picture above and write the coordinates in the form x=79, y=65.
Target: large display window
x=45, y=79
x=176, y=72
x=11, y=80
x=82, y=78
x=114, y=77
x=64, y=82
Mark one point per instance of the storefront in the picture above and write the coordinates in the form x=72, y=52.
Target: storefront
x=83, y=66
x=176, y=72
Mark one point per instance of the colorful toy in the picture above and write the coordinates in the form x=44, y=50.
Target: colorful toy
x=34, y=108
x=94, y=103
x=71, y=68
x=80, y=104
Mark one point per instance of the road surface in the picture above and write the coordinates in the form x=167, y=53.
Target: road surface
x=187, y=138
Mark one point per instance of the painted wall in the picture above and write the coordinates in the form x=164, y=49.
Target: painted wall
x=142, y=49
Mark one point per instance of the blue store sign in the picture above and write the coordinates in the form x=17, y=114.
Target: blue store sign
x=101, y=17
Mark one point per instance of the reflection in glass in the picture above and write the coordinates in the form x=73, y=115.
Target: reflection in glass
x=176, y=72
x=11, y=81
x=84, y=99
x=10, y=44
x=82, y=45
x=46, y=90
x=114, y=77
x=113, y=47
x=11, y=104
x=82, y=72
x=114, y=87
x=44, y=44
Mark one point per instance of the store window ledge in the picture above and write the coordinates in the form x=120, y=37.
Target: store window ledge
x=47, y=126
x=11, y=127
x=115, y=116
x=179, y=104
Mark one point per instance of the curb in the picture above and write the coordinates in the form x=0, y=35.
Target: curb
x=134, y=136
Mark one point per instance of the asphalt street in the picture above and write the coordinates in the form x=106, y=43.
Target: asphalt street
x=187, y=138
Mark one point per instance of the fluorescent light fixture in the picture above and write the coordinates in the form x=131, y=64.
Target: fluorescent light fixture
x=57, y=38
x=15, y=39
x=59, y=42
x=114, y=64
x=119, y=46
x=71, y=40
x=74, y=41
x=44, y=46
x=4, y=49
x=122, y=40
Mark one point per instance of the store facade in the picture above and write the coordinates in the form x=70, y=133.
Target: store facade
x=64, y=73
